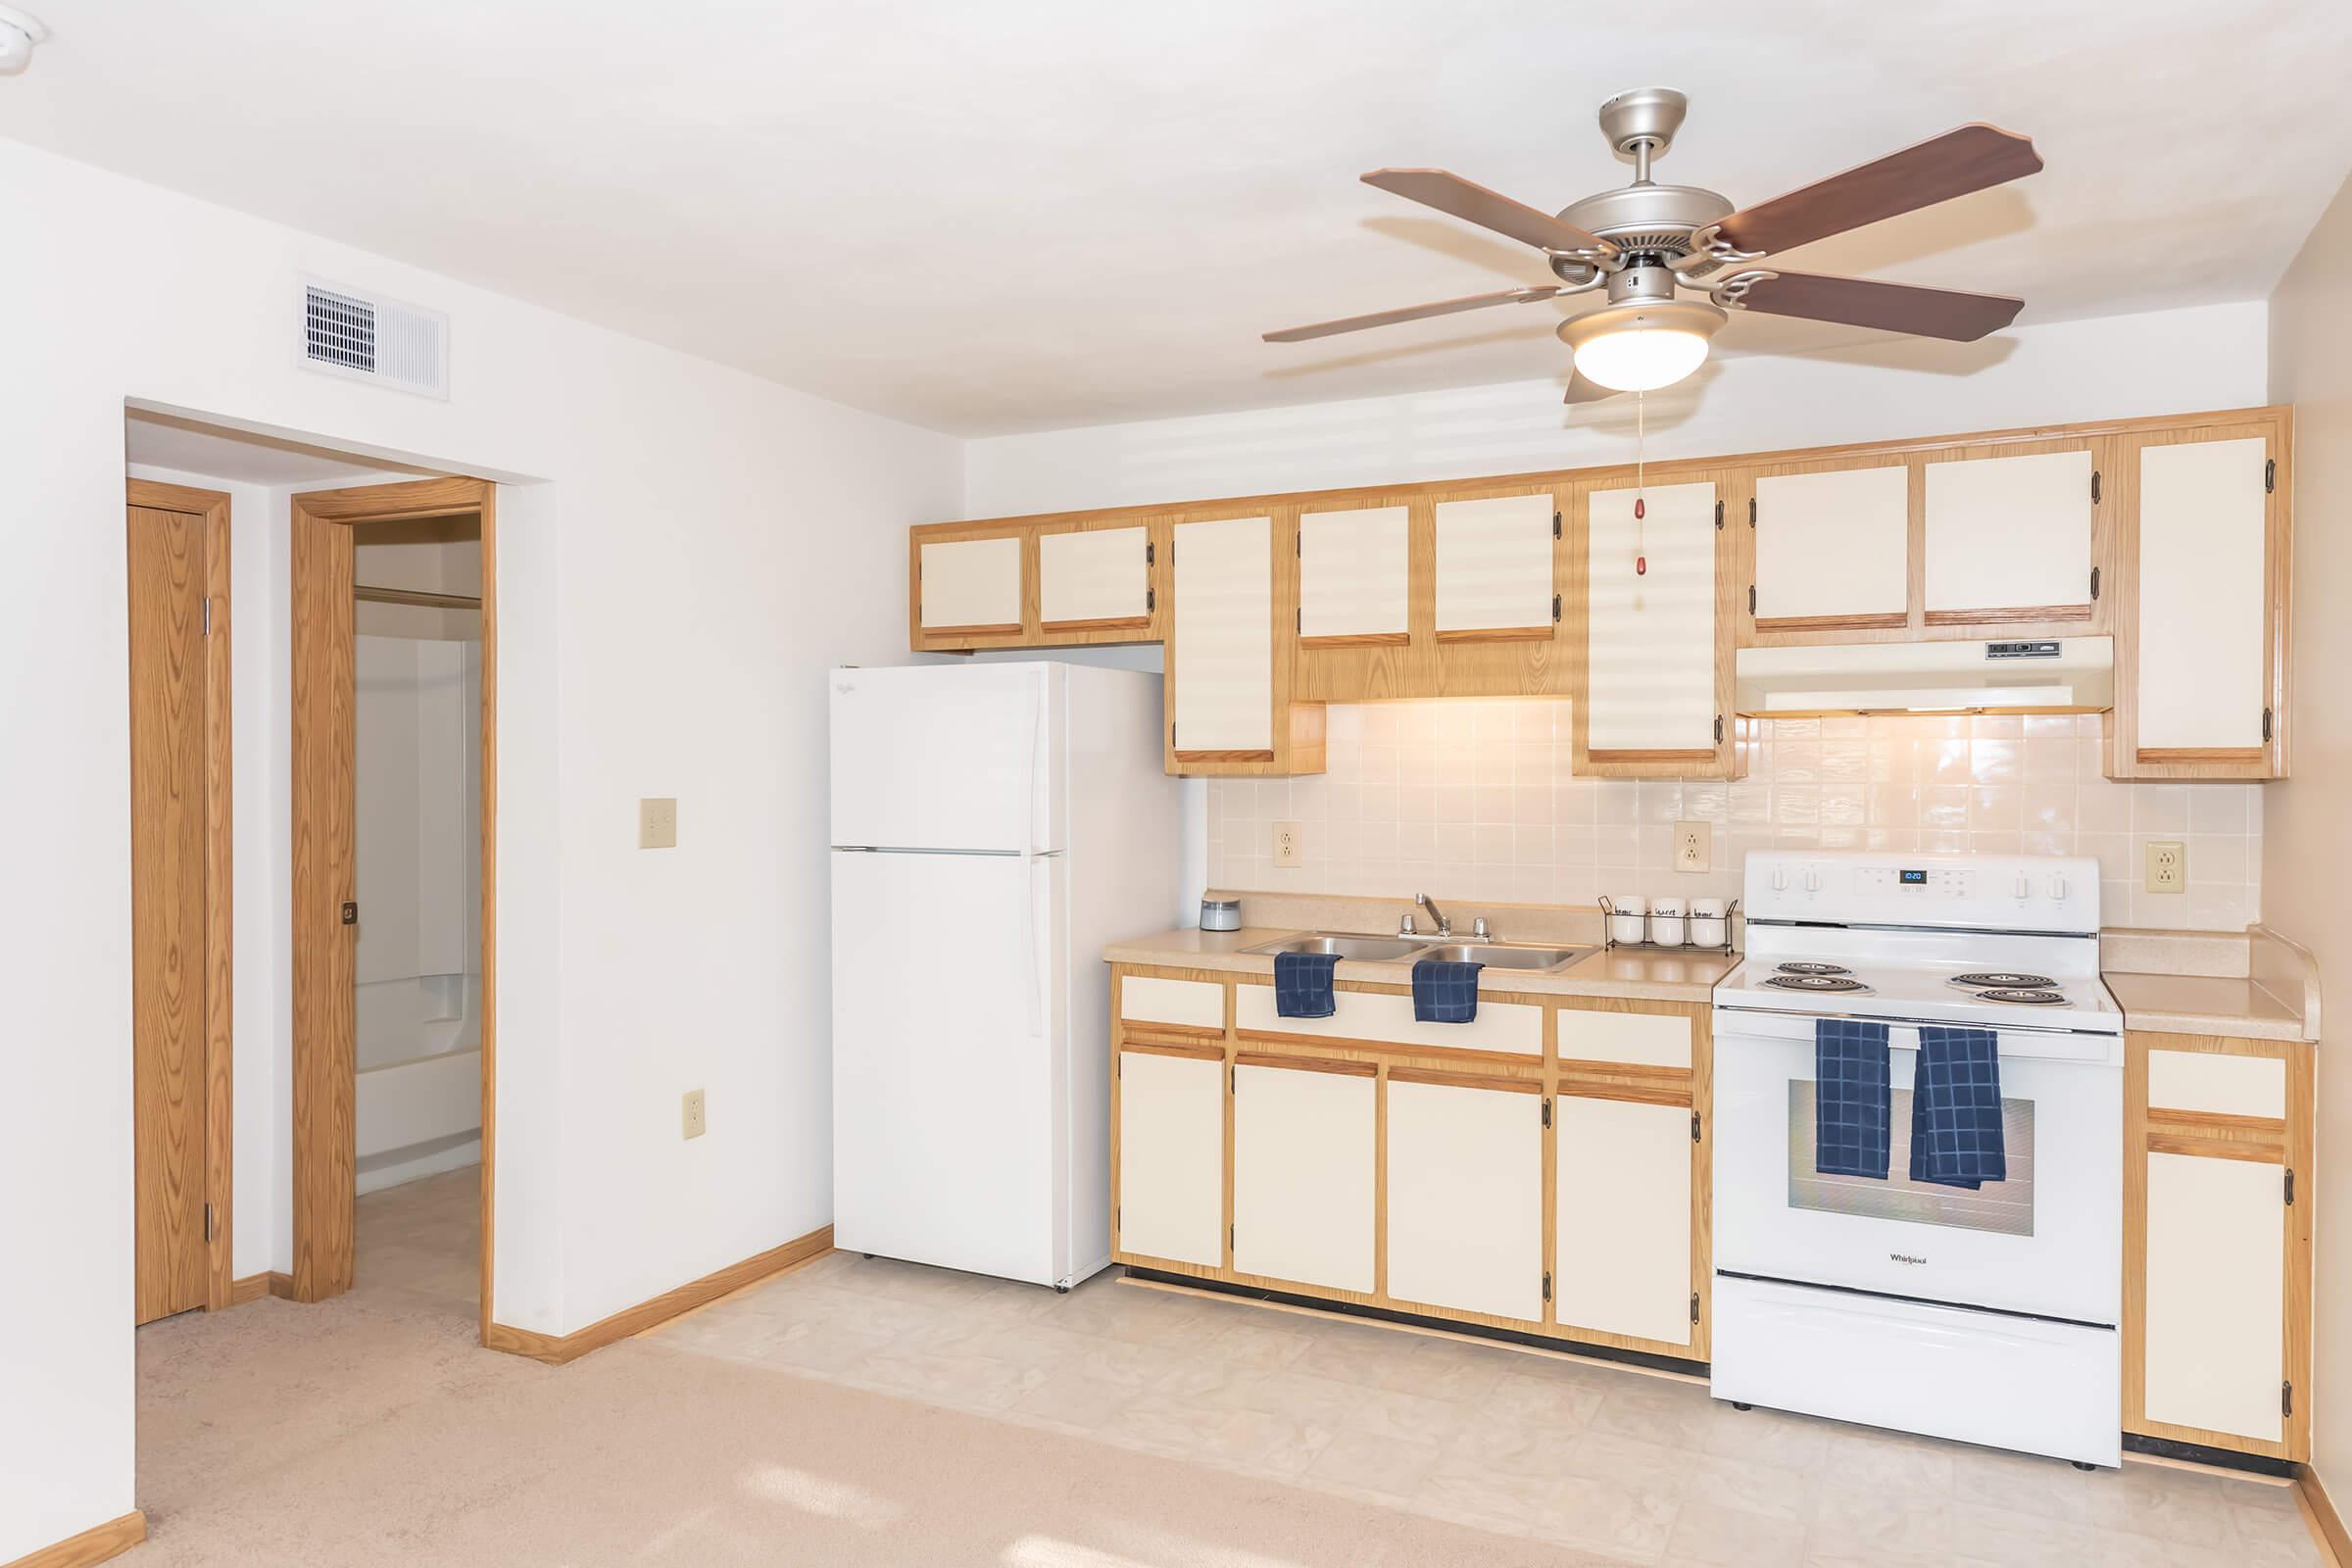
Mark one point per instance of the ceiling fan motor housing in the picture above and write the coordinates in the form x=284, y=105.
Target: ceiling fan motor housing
x=1654, y=218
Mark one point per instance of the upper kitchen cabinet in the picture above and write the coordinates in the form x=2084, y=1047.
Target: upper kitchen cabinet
x=1231, y=633
x=1095, y=582
x=2011, y=536
x=1493, y=574
x=1656, y=697
x=968, y=591
x=1833, y=547
x=2200, y=679
x=1354, y=577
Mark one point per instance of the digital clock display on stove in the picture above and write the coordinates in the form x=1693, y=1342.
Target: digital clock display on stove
x=1913, y=879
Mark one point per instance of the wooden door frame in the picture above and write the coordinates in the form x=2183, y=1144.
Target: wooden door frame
x=324, y=1086
x=220, y=1134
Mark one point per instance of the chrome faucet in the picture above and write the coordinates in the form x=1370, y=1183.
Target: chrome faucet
x=1444, y=924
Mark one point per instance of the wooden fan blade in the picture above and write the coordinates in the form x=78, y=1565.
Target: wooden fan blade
x=1412, y=312
x=1954, y=164
x=1450, y=193
x=1580, y=390
x=1890, y=307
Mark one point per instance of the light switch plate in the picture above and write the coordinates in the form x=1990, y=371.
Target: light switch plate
x=658, y=822
x=691, y=1121
x=1288, y=851
x=1693, y=846
x=2168, y=866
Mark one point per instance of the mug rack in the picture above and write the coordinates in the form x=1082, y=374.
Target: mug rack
x=1610, y=914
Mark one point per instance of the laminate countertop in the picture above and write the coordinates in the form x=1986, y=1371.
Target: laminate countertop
x=2203, y=1004
x=2273, y=992
x=1644, y=975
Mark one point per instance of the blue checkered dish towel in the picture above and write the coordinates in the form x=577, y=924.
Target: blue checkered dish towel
x=1956, y=1108
x=1303, y=985
x=1445, y=991
x=1850, y=1099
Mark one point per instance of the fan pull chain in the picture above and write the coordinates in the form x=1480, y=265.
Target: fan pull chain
x=1640, y=483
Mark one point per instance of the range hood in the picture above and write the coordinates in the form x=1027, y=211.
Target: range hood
x=2023, y=675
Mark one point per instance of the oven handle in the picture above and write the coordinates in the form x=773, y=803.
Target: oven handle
x=2023, y=1041
x=1933, y=1023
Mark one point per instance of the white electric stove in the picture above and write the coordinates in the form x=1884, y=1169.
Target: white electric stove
x=1987, y=1315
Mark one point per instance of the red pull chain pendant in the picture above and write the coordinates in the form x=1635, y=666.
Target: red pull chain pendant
x=1641, y=502
x=1641, y=508
x=1640, y=561
x=1640, y=565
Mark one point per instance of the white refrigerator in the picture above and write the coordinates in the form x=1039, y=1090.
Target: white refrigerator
x=994, y=825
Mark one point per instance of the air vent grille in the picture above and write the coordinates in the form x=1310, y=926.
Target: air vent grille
x=367, y=338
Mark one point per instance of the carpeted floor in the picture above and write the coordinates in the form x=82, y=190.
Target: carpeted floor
x=371, y=1430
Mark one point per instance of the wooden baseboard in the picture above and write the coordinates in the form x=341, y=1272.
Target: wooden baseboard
x=2326, y=1521
x=253, y=1287
x=95, y=1545
x=556, y=1348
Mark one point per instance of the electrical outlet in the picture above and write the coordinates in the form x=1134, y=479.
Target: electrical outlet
x=1693, y=846
x=1286, y=844
x=2168, y=866
x=657, y=823
x=690, y=1115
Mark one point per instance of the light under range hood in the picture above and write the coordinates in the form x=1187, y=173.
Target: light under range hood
x=2025, y=675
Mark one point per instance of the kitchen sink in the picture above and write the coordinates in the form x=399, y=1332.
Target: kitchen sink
x=1355, y=949
x=1504, y=954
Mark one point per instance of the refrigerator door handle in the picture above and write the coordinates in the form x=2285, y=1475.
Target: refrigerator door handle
x=1030, y=990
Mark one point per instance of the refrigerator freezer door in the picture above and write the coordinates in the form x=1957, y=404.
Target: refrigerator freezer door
x=928, y=757
x=951, y=1141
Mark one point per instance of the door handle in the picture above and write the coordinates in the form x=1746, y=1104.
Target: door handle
x=351, y=911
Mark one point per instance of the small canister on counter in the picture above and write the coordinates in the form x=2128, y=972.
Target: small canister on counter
x=1221, y=915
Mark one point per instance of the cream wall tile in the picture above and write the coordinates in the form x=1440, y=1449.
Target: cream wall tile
x=1477, y=799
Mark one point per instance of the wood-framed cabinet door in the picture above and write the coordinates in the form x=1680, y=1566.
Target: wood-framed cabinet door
x=2216, y=1242
x=1832, y=544
x=1354, y=577
x=2201, y=659
x=971, y=591
x=2014, y=535
x=1495, y=572
x=1655, y=697
x=1095, y=582
x=1624, y=1263
x=1170, y=1169
x=1231, y=625
x=1465, y=1195
x=1303, y=1150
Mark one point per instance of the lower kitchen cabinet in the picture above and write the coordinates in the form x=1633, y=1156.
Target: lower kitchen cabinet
x=1303, y=1172
x=1171, y=1161
x=1622, y=1216
x=2215, y=1266
x=1465, y=1186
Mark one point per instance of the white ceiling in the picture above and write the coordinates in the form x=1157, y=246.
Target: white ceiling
x=1025, y=214
x=238, y=456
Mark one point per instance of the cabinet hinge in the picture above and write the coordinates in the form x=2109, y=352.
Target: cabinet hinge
x=1556, y=608
x=1151, y=598
x=1172, y=734
x=1229, y=1238
x=1548, y=1110
x=1547, y=1284
x=1693, y=1306
x=1299, y=619
x=1751, y=598
x=2286, y=1398
x=1299, y=543
x=2270, y=475
x=1719, y=729
x=1695, y=1126
x=2266, y=725
x=1117, y=1214
x=2095, y=582
x=1555, y=523
x=208, y=1208
x=2094, y=486
x=1150, y=549
x=1752, y=511
x=2290, y=1184
x=1719, y=515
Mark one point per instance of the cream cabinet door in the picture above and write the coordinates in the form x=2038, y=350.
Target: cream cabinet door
x=1303, y=1161
x=2005, y=534
x=972, y=583
x=2203, y=533
x=1093, y=577
x=1353, y=572
x=2216, y=1278
x=1171, y=1201
x=1622, y=1213
x=1466, y=1199
x=1835, y=548
x=1221, y=669
x=1650, y=634
x=1493, y=568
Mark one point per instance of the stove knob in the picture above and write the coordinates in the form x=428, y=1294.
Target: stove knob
x=2025, y=886
x=1812, y=879
x=1780, y=879
x=2058, y=888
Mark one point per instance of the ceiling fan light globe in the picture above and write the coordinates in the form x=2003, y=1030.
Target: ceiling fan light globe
x=1641, y=348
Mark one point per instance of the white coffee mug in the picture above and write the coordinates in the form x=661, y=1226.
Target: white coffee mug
x=1625, y=917
x=1708, y=923
x=1666, y=922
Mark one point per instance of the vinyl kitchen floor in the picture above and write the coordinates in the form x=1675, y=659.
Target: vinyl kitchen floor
x=1613, y=1462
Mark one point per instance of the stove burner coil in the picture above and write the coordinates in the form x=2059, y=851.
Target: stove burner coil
x=2023, y=996
x=2003, y=980
x=1828, y=983
x=1814, y=968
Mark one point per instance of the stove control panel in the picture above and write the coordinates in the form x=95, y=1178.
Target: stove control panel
x=2040, y=893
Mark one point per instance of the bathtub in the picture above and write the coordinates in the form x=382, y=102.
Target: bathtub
x=420, y=1104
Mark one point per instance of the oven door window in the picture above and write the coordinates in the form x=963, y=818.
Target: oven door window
x=2004, y=1208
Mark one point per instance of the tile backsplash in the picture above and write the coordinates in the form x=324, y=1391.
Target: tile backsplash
x=1475, y=799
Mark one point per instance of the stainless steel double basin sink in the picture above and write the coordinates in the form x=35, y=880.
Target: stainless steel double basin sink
x=1412, y=950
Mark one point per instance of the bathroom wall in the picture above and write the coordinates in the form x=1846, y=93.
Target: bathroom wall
x=1475, y=799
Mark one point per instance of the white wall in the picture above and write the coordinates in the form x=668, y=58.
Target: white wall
x=701, y=546
x=2168, y=362
x=2307, y=834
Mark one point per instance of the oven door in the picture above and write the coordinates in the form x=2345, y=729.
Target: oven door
x=2048, y=1240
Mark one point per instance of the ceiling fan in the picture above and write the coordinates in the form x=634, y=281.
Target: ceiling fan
x=1644, y=241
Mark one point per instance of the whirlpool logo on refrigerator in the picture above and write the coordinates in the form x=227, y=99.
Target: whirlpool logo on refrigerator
x=1906, y=1257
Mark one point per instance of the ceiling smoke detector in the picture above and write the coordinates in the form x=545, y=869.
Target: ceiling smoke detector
x=18, y=32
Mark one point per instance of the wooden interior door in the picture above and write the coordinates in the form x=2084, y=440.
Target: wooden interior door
x=178, y=897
